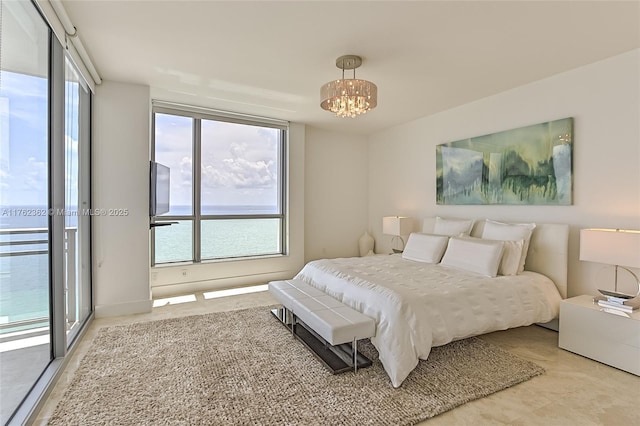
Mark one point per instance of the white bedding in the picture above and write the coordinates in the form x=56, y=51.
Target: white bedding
x=417, y=305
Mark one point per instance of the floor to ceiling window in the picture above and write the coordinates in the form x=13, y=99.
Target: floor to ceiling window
x=77, y=192
x=226, y=186
x=44, y=183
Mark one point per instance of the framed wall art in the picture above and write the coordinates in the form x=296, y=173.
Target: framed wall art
x=530, y=165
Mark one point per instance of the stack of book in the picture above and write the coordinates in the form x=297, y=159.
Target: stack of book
x=623, y=304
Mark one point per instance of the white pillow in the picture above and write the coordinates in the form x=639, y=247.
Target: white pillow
x=510, y=256
x=510, y=232
x=474, y=255
x=510, y=263
x=425, y=247
x=452, y=227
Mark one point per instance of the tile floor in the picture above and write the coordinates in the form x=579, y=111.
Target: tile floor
x=573, y=391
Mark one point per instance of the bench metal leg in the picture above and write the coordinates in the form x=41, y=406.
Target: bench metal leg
x=293, y=324
x=355, y=355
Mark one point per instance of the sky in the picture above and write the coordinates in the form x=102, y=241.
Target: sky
x=23, y=140
x=239, y=162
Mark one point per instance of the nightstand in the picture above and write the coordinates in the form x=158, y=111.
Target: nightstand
x=586, y=329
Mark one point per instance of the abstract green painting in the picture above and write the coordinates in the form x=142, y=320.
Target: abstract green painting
x=529, y=165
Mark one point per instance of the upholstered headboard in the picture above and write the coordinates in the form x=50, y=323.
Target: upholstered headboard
x=548, y=250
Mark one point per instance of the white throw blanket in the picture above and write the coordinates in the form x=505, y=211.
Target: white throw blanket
x=417, y=305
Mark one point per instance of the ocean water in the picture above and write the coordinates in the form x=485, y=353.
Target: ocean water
x=221, y=239
x=24, y=280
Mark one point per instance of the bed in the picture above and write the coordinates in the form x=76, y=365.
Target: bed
x=418, y=305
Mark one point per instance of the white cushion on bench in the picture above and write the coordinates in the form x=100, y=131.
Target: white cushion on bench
x=336, y=322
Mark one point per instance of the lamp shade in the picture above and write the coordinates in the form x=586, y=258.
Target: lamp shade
x=348, y=97
x=610, y=246
x=396, y=225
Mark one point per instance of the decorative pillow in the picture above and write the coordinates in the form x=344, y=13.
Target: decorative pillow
x=425, y=247
x=510, y=232
x=474, y=255
x=452, y=227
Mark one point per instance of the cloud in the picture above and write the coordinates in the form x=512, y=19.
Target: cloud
x=186, y=172
x=238, y=171
x=27, y=96
x=24, y=86
x=239, y=162
x=35, y=177
x=71, y=144
x=173, y=133
x=5, y=177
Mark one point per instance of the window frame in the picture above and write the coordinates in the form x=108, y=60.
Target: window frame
x=197, y=114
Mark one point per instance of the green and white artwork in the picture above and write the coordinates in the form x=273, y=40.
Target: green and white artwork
x=529, y=165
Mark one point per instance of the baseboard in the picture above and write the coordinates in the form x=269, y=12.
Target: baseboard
x=168, y=290
x=128, y=308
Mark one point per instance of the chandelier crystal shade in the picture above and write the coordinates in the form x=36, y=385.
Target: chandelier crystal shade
x=348, y=97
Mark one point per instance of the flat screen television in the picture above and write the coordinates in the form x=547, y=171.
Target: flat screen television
x=159, y=179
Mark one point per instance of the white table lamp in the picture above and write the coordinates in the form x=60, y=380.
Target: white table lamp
x=613, y=247
x=396, y=226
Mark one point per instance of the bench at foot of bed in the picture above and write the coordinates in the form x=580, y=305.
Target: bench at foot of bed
x=327, y=325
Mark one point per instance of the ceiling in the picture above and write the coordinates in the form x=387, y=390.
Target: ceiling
x=270, y=58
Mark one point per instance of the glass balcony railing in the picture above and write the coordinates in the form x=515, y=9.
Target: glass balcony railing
x=24, y=281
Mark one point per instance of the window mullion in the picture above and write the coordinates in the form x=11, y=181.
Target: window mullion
x=197, y=178
x=240, y=216
x=152, y=219
x=57, y=193
x=282, y=185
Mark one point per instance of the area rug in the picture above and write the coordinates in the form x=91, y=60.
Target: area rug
x=244, y=368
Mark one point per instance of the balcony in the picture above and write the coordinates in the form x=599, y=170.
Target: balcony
x=25, y=308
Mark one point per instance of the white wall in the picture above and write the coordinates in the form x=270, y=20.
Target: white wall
x=604, y=100
x=171, y=280
x=120, y=173
x=336, y=188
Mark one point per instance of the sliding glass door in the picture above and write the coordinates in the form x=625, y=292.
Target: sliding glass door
x=25, y=237
x=45, y=264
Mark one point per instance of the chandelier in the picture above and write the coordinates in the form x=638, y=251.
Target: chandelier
x=348, y=97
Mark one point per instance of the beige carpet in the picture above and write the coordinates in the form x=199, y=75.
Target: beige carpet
x=244, y=368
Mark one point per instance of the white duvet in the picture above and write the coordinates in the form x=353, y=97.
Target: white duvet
x=417, y=305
